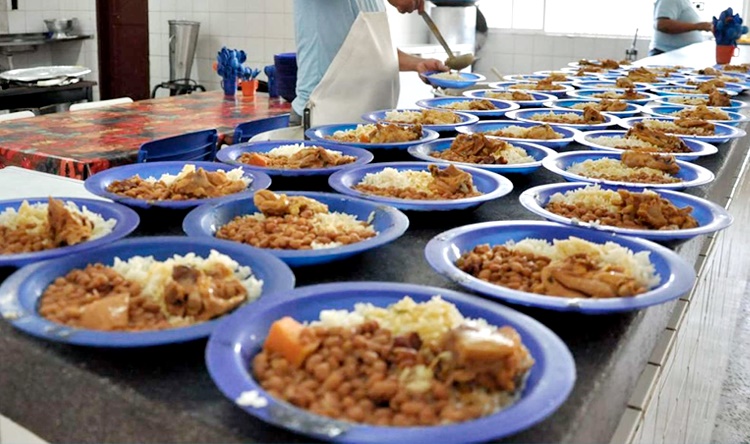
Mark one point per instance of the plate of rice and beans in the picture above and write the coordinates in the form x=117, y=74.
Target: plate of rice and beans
x=140, y=292
x=693, y=128
x=433, y=119
x=293, y=157
x=587, y=118
x=557, y=89
x=488, y=153
x=372, y=135
x=33, y=230
x=389, y=362
x=300, y=228
x=630, y=168
x=549, y=135
x=724, y=103
x=617, y=108
x=659, y=215
x=480, y=107
x=526, y=99
x=175, y=184
x=421, y=186
x=644, y=139
x=711, y=114
x=558, y=267
x=625, y=95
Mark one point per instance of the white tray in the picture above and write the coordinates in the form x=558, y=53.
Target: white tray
x=43, y=73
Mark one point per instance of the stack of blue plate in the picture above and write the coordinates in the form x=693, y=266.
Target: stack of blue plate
x=286, y=75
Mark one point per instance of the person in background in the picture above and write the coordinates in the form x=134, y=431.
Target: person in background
x=676, y=24
x=346, y=64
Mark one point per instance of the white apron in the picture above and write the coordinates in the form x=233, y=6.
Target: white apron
x=363, y=77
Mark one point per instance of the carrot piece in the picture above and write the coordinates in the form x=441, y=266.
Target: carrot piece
x=284, y=339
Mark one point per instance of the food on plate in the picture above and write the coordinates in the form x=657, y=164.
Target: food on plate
x=633, y=166
x=476, y=148
x=435, y=184
x=536, y=132
x=642, y=75
x=709, y=71
x=572, y=268
x=744, y=67
x=189, y=183
x=585, y=71
x=424, y=117
x=702, y=112
x=603, y=105
x=143, y=293
x=542, y=85
x=590, y=116
x=294, y=223
x=557, y=76
x=715, y=98
x=448, y=76
x=644, y=138
x=690, y=127
x=409, y=364
x=602, y=63
x=624, y=82
x=707, y=86
x=644, y=210
x=297, y=156
x=470, y=105
x=44, y=226
x=378, y=133
x=509, y=95
x=628, y=94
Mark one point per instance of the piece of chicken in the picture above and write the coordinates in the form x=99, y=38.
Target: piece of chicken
x=202, y=184
x=450, y=181
x=392, y=133
x=703, y=112
x=542, y=132
x=718, y=98
x=439, y=117
x=591, y=115
x=193, y=293
x=272, y=204
x=66, y=228
x=664, y=142
x=579, y=276
x=612, y=105
x=624, y=82
x=636, y=158
x=699, y=126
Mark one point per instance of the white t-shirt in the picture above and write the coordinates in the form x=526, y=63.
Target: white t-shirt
x=681, y=11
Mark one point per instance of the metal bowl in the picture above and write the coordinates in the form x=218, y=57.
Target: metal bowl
x=59, y=27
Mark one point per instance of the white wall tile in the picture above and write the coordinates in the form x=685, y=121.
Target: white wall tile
x=272, y=47
x=524, y=44
x=255, y=5
x=255, y=25
x=275, y=26
x=543, y=46
x=562, y=45
x=274, y=6
x=235, y=6
x=542, y=62
x=16, y=22
x=200, y=5
x=502, y=43
x=522, y=63
x=582, y=47
x=235, y=25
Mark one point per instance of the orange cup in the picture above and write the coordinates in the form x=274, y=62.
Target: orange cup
x=724, y=53
x=249, y=87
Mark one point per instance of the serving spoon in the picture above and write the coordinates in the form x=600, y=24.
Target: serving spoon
x=453, y=62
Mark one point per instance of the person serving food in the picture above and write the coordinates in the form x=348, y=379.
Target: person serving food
x=676, y=24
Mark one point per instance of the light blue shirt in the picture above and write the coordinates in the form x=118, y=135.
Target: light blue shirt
x=321, y=27
x=681, y=11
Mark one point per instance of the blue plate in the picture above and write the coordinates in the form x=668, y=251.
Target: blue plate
x=230, y=154
x=570, y=76
x=631, y=110
x=389, y=223
x=467, y=79
x=441, y=103
x=676, y=275
x=491, y=185
x=589, y=95
x=660, y=81
x=99, y=182
x=534, y=150
x=235, y=342
x=742, y=79
x=539, y=98
x=669, y=111
x=735, y=105
x=731, y=86
x=711, y=217
x=691, y=175
x=722, y=133
x=676, y=90
x=127, y=221
x=699, y=148
x=607, y=84
x=564, y=88
x=22, y=290
x=321, y=133
x=493, y=125
x=525, y=115
x=466, y=119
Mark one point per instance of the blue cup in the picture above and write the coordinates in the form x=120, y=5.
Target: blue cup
x=270, y=71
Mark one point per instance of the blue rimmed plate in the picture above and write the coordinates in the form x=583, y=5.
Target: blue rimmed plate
x=691, y=175
x=381, y=116
x=740, y=80
x=710, y=217
x=738, y=88
x=322, y=134
x=590, y=94
x=670, y=111
x=234, y=343
x=676, y=275
x=561, y=88
x=466, y=80
x=22, y=290
x=99, y=182
x=569, y=76
x=534, y=150
x=491, y=185
x=494, y=125
x=699, y=148
x=660, y=81
x=231, y=154
x=631, y=110
x=693, y=100
x=526, y=115
x=538, y=98
x=679, y=90
x=722, y=133
x=444, y=102
x=127, y=221
x=607, y=84
x=388, y=222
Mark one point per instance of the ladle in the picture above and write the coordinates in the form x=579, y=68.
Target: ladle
x=453, y=62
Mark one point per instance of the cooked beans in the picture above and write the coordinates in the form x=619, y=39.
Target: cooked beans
x=501, y=266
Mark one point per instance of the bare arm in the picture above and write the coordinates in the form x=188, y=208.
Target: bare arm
x=669, y=26
x=407, y=62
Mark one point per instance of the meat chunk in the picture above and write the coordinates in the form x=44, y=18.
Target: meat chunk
x=272, y=204
x=450, y=180
x=67, y=228
x=194, y=293
x=394, y=133
x=542, y=132
x=201, y=184
x=664, y=142
x=718, y=98
x=624, y=82
x=591, y=115
x=635, y=159
x=579, y=276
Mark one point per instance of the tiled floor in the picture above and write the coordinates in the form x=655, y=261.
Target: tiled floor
x=12, y=433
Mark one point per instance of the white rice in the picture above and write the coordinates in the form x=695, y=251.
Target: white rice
x=36, y=215
x=391, y=177
x=153, y=275
x=169, y=179
x=359, y=131
x=612, y=168
x=448, y=76
x=290, y=150
x=543, y=117
x=636, y=265
x=592, y=196
x=404, y=116
x=515, y=131
x=621, y=142
x=688, y=100
x=462, y=105
x=514, y=155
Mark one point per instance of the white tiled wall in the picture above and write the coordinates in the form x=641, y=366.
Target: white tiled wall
x=519, y=53
x=30, y=18
x=261, y=28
